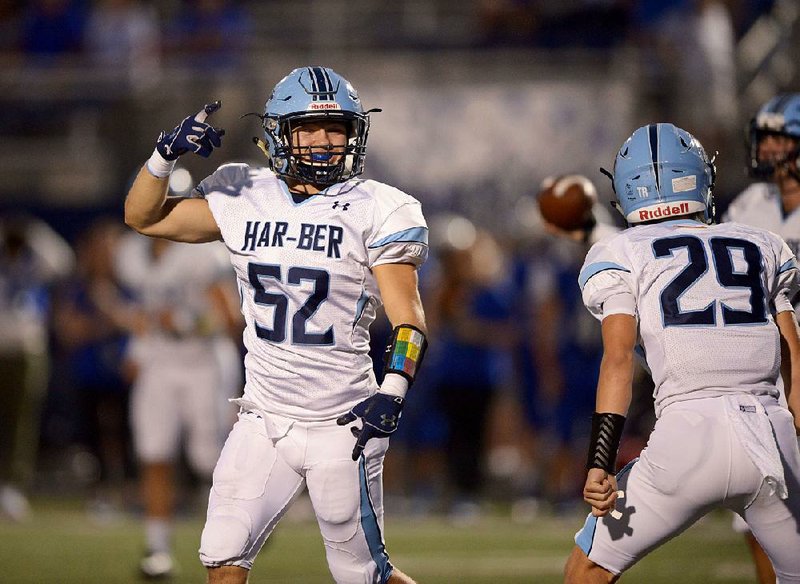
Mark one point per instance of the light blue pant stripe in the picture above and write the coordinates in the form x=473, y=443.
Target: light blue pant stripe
x=372, y=530
x=585, y=537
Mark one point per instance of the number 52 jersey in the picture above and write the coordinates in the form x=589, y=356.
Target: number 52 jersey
x=704, y=297
x=307, y=290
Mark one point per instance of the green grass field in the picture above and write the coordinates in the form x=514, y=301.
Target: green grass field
x=61, y=545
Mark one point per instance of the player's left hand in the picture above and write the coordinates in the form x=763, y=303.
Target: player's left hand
x=600, y=491
x=379, y=413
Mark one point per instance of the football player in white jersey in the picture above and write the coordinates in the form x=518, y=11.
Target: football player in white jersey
x=774, y=147
x=709, y=306
x=315, y=250
x=771, y=203
x=187, y=307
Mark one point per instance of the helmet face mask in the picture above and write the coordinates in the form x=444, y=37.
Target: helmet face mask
x=315, y=95
x=779, y=117
x=660, y=172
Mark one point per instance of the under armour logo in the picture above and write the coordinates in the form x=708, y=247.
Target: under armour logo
x=388, y=421
x=343, y=207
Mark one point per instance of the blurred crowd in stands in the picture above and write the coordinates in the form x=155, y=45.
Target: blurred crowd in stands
x=500, y=412
x=125, y=33
x=120, y=31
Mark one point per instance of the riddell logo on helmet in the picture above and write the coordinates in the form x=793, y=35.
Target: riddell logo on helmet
x=329, y=105
x=664, y=211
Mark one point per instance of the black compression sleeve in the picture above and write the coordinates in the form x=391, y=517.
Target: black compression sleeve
x=606, y=434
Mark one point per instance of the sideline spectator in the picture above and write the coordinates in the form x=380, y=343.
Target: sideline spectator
x=32, y=258
x=123, y=36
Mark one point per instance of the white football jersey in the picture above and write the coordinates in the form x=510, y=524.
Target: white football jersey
x=176, y=282
x=308, y=292
x=760, y=205
x=704, y=297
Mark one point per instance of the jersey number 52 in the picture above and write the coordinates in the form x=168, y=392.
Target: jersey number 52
x=294, y=276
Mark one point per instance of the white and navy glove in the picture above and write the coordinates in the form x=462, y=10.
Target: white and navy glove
x=193, y=134
x=379, y=413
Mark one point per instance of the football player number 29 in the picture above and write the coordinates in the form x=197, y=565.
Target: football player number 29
x=257, y=273
x=727, y=276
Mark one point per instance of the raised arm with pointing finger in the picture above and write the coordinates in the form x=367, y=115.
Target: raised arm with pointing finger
x=147, y=208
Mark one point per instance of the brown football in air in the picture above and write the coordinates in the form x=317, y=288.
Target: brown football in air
x=566, y=201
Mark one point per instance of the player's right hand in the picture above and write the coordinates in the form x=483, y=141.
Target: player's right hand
x=600, y=491
x=193, y=134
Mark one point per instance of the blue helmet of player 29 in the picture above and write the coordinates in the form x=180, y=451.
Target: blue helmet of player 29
x=662, y=171
x=780, y=116
x=315, y=94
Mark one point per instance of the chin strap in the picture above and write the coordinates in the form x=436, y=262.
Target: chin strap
x=610, y=177
x=261, y=145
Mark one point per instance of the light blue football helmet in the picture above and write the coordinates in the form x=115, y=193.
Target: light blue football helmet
x=779, y=116
x=662, y=171
x=314, y=94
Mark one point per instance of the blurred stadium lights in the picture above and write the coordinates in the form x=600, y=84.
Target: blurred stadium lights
x=467, y=125
x=767, y=53
x=180, y=182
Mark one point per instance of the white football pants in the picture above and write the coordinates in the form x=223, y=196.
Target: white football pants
x=266, y=462
x=695, y=462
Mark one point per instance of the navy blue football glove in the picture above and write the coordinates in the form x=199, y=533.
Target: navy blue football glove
x=193, y=134
x=379, y=413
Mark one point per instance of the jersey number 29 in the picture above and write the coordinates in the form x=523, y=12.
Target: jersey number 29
x=721, y=248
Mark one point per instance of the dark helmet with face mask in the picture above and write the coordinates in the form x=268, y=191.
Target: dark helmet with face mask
x=780, y=116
